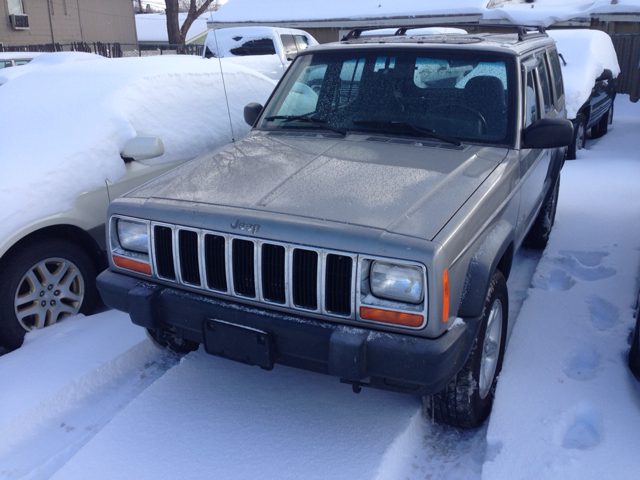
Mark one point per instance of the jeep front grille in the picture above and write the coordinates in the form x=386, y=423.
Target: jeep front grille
x=292, y=276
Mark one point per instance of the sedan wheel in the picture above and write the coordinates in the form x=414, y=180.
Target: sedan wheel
x=51, y=290
x=44, y=282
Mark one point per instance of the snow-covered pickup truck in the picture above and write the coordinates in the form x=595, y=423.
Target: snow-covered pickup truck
x=269, y=50
x=367, y=225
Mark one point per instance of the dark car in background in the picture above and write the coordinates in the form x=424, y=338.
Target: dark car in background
x=595, y=114
x=589, y=69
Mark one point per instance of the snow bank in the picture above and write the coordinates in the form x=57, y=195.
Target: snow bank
x=46, y=60
x=66, y=382
x=587, y=53
x=84, y=113
x=566, y=404
x=48, y=390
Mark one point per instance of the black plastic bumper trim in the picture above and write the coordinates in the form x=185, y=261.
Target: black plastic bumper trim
x=384, y=360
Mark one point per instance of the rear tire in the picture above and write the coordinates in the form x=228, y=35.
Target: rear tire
x=601, y=128
x=466, y=401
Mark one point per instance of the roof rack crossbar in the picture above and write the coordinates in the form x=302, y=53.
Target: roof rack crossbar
x=525, y=32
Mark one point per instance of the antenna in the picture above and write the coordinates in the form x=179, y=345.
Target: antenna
x=224, y=86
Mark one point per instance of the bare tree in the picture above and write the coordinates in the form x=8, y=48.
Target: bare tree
x=194, y=9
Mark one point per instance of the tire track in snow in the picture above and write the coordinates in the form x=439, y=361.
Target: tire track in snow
x=35, y=441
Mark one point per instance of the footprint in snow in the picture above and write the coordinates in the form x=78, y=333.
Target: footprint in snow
x=558, y=281
x=604, y=315
x=585, y=429
x=588, y=259
x=571, y=265
x=582, y=363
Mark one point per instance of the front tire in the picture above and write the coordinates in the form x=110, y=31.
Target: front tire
x=44, y=282
x=540, y=231
x=466, y=401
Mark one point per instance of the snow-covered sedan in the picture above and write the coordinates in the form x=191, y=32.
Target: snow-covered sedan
x=102, y=128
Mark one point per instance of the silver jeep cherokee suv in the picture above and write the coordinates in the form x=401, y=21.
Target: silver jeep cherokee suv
x=366, y=226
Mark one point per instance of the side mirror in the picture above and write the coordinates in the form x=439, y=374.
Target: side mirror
x=251, y=113
x=142, y=147
x=548, y=133
x=606, y=75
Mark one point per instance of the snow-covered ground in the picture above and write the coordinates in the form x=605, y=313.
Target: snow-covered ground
x=91, y=397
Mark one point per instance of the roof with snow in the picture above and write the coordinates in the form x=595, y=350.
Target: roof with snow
x=152, y=27
x=544, y=12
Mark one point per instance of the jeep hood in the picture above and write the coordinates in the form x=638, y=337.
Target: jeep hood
x=405, y=187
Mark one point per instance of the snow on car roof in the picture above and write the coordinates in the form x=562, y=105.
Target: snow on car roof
x=84, y=112
x=587, y=53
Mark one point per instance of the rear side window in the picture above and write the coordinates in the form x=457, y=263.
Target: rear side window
x=557, y=72
x=545, y=86
x=301, y=42
x=531, y=108
x=289, y=44
x=262, y=46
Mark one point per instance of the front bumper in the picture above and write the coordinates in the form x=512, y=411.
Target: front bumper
x=360, y=356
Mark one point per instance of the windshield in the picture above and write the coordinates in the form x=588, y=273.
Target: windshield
x=456, y=96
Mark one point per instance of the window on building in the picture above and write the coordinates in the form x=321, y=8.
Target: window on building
x=16, y=7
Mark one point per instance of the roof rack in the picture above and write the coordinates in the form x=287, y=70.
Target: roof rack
x=525, y=32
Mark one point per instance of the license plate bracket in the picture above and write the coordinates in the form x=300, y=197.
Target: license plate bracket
x=239, y=343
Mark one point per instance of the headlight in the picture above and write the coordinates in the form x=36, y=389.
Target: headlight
x=133, y=235
x=403, y=283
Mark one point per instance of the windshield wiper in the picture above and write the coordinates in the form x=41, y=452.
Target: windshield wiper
x=308, y=118
x=406, y=125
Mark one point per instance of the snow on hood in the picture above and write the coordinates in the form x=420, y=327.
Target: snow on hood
x=85, y=112
x=45, y=60
x=370, y=184
x=587, y=53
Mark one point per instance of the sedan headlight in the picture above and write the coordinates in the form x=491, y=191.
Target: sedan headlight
x=403, y=283
x=133, y=236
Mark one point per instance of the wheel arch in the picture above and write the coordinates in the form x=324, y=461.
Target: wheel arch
x=68, y=232
x=495, y=252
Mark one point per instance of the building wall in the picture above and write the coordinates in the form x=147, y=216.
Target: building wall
x=66, y=21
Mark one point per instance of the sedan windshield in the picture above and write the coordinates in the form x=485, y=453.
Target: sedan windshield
x=444, y=96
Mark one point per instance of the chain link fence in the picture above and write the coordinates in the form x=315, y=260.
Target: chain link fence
x=111, y=50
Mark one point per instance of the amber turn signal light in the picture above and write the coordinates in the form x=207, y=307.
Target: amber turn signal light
x=387, y=316
x=445, y=296
x=132, y=265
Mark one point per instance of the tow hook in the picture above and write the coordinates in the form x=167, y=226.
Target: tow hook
x=355, y=385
